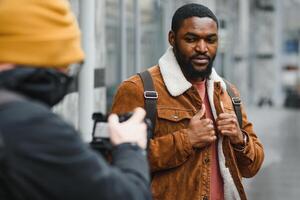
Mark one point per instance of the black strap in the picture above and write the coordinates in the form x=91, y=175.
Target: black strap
x=150, y=96
x=236, y=102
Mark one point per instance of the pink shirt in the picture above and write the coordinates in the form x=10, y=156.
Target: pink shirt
x=216, y=181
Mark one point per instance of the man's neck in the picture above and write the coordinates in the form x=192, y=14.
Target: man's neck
x=193, y=80
x=196, y=80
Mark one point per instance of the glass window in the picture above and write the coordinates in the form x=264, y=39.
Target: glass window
x=150, y=40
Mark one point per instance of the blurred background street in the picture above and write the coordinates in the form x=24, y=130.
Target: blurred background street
x=278, y=130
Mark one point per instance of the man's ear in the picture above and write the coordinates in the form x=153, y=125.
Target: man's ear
x=172, y=38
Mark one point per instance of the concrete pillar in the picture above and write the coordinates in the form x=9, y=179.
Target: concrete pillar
x=123, y=45
x=278, y=96
x=168, y=11
x=100, y=89
x=86, y=76
x=137, y=38
x=241, y=69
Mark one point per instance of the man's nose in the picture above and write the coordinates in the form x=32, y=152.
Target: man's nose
x=201, y=46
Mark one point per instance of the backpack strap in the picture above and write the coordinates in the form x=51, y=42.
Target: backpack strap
x=236, y=102
x=150, y=96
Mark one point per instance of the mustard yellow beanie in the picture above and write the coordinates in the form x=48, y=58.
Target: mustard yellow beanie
x=41, y=33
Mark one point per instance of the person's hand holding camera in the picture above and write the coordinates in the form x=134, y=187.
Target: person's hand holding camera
x=134, y=130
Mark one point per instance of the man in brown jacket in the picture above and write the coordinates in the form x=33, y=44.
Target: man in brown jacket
x=199, y=151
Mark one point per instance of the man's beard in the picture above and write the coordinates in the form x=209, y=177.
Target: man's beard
x=187, y=67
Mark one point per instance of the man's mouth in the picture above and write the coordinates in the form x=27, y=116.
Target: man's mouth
x=200, y=60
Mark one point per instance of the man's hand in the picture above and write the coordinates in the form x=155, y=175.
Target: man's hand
x=201, y=131
x=134, y=130
x=228, y=125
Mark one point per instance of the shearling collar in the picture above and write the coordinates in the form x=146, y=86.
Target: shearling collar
x=174, y=79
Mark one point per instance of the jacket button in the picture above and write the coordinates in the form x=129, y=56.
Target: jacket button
x=206, y=160
x=205, y=198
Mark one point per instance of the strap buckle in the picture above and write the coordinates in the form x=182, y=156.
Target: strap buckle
x=236, y=100
x=150, y=94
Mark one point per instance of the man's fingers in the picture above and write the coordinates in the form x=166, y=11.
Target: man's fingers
x=229, y=129
x=201, y=112
x=206, y=141
x=226, y=133
x=213, y=138
x=226, y=121
x=226, y=115
x=138, y=115
x=226, y=126
x=212, y=133
x=207, y=122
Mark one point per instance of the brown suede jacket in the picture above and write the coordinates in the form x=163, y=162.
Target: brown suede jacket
x=178, y=170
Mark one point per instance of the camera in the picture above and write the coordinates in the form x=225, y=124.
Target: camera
x=100, y=135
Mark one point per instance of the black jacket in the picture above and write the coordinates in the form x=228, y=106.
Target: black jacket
x=42, y=157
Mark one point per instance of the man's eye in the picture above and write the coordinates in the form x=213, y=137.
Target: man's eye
x=190, y=39
x=212, y=40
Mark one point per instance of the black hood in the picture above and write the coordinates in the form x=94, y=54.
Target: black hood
x=46, y=85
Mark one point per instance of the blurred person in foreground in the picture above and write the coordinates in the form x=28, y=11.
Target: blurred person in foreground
x=198, y=150
x=41, y=156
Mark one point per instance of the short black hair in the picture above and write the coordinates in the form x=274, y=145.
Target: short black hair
x=191, y=10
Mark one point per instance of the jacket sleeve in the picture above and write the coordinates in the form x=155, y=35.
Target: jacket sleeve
x=50, y=161
x=166, y=151
x=251, y=158
x=128, y=178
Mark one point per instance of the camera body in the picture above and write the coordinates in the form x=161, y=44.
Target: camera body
x=100, y=135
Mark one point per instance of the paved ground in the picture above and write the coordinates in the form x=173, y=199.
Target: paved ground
x=279, y=130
